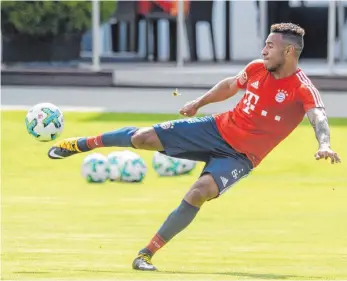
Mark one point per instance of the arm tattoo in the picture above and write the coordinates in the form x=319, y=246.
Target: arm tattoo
x=319, y=121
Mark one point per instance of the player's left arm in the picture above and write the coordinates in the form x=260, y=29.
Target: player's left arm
x=319, y=121
x=313, y=105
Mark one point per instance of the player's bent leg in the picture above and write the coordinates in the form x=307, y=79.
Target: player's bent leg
x=147, y=138
x=143, y=138
x=204, y=189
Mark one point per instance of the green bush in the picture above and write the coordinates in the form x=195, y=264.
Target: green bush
x=50, y=18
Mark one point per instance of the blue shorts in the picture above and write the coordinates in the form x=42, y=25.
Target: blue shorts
x=199, y=139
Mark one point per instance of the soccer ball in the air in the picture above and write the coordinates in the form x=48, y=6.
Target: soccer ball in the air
x=126, y=166
x=169, y=166
x=95, y=168
x=45, y=122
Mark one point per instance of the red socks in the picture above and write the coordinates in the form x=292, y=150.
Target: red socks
x=94, y=142
x=155, y=244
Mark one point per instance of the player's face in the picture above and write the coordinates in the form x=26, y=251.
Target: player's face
x=273, y=52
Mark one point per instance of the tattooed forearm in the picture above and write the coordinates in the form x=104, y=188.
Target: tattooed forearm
x=319, y=121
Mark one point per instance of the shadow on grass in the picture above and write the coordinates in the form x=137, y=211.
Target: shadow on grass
x=268, y=276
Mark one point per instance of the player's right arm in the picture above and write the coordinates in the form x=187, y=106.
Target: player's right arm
x=223, y=90
x=220, y=92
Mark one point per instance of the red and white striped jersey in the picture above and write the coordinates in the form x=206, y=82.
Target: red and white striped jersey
x=268, y=112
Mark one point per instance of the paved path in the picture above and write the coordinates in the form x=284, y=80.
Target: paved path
x=131, y=100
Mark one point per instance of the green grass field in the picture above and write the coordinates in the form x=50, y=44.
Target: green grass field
x=287, y=220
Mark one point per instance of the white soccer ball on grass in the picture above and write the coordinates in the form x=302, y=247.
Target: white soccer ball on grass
x=170, y=166
x=126, y=166
x=95, y=168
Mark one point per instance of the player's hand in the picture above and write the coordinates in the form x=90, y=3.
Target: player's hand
x=190, y=108
x=325, y=153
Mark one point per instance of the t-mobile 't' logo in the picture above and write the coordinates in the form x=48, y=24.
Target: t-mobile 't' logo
x=250, y=101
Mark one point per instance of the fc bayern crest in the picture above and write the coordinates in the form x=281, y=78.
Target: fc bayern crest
x=166, y=125
x=281, y=96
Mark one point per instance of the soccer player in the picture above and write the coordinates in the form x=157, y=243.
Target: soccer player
x=277, y=96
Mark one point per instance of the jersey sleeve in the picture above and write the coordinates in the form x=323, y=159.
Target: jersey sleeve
x=247, y=72
x=309, y=97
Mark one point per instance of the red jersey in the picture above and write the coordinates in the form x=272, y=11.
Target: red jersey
x=268, y=112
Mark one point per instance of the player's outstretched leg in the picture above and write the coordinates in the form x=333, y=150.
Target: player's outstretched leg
x=143, y=138
x=204, y=189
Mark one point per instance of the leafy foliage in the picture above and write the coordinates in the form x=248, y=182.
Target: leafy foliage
x=45, y=18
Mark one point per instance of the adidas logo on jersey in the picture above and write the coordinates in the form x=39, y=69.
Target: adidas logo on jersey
x=255, y=84
x=224, y=181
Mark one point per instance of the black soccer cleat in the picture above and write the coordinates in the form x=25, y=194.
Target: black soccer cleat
x=143, y=262
x=64, y=148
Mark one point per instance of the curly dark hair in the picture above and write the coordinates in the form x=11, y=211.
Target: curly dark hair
x=292, y=33
x=288, y=28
